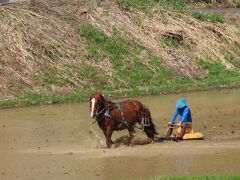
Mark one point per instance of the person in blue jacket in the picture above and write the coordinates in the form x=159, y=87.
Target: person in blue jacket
x=185, y=119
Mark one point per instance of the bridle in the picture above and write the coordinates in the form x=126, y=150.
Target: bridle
x=96, y=109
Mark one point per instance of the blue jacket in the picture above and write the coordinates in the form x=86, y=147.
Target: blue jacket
x=185, y=115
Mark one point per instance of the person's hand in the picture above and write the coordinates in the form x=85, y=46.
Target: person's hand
x=170, y=123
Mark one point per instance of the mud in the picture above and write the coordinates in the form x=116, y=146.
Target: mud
x=59, y=142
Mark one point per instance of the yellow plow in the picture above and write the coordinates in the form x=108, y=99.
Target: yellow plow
x=189, y=135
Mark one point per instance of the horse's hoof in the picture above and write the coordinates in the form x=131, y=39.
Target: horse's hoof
x=109, y=146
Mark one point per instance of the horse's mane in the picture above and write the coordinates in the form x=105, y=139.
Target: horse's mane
x=109, y=103
x=104, y=100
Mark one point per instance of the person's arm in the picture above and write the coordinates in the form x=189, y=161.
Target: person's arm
x=184, y=116
x=175, y=115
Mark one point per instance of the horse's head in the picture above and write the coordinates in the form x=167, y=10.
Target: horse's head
x=97, y=102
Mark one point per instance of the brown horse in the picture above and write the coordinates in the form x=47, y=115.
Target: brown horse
x=118, y=116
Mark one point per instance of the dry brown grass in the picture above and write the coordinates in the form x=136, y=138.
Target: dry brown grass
x=40, y=37
x=200, y=39
x=33, y=42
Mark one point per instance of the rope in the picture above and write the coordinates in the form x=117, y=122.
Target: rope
x=97, y=136
x=93, y=130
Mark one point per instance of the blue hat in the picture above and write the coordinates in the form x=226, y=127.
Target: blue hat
x=181, y=103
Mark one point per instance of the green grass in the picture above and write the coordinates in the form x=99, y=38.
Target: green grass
x=49, y=77
x=129, y=70
x=138, y=4
x=218, y=75
x=211, y=17
x=146, y=5
x=233, y=59
x=172, y=4
x=132, y=77
x=238, y=4
x=134, y=71
x=170, y=41
x=33, y=98
x=100, y=46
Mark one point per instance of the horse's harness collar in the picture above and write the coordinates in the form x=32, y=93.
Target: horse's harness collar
x=101, y=115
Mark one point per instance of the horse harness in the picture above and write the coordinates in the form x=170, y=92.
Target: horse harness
x=108, y=107
x=105, y=113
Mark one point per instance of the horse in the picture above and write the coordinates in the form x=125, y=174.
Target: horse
x=112, y=116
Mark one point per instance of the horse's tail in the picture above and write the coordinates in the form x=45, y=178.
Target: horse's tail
x=147, y=123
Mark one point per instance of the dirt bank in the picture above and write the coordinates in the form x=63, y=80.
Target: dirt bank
x=49, y=48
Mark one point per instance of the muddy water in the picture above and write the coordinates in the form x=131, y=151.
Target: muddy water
x=57, y=141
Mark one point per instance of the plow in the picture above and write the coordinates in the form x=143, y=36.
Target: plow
x=174, y=132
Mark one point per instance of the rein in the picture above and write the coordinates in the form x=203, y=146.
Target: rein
x=102, y=110
x=101, y=115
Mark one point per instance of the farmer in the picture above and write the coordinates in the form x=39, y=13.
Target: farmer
x=185, y=120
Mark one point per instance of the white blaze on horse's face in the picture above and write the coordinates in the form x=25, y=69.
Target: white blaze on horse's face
x=93, y=101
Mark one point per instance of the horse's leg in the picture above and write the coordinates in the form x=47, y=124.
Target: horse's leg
x=131, y=131
x=105, y=133
x=109, y=132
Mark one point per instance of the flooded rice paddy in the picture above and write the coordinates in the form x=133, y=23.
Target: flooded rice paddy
x=59, y=142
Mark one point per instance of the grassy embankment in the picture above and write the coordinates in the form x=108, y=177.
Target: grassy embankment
x=118, y=59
